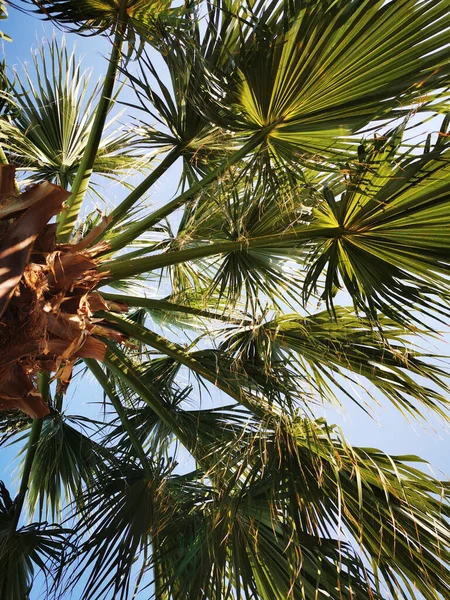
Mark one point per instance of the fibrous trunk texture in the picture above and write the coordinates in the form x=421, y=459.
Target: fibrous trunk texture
x=47, y=297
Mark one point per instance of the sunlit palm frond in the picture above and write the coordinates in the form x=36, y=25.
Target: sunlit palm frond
x=48, y=132
x=338, y=352
x=227, y=546
x=187, y=304
x=252, y=387
x=100, y=16
x=7, y=104
x=241, y=207
x=390, y=247
x=319, y=74
x=175, y=119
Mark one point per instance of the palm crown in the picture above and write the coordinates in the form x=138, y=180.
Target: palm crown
x=290, y=123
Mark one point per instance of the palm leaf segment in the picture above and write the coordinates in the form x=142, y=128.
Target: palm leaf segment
x=47, y=133
x=24, y=549
x=3, y=15
x=342, y=352
x=390, y=248
x=99, y=16
x=260, y=516
x=320, y=73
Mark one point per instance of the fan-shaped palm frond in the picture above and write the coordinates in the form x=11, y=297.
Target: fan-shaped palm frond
x=334, y=350
x=236, y=553
x=75, y=460
x=23, y=549
x=389, y=248
x=317, y=74
x=49, y=130
x=98, y=16
x=126, y=509
x=395, y=512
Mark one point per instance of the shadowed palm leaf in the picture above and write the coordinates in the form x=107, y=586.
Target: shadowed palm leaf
x=208, y=475
x=23, y=549
x=75, y=460
x=327, y=350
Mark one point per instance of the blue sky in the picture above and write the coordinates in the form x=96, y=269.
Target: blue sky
x=389, y=431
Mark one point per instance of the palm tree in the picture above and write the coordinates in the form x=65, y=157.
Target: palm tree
x=291, y=126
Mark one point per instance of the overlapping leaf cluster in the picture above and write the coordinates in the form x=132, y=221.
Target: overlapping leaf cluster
x=297, y=186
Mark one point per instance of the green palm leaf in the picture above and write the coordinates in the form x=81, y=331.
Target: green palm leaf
x=22, y=550
x=395, y=512
x=49, y=130
x=100, y=15
x=390, y=247
x=336, y=350
x=228, y=539
x=319, y=74
x=126, y=507
x=66, y=460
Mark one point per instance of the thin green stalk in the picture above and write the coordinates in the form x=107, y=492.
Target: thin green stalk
x=161, y=592
x=176, y=352
x=134, y=231
x=142, y=572
x=101, y=377
x=33, y=440
x=81, y=182
x=121, y=211
x=121, y=365
x=169, y=307
x=122, y=269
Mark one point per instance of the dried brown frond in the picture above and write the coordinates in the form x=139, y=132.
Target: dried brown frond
x=47, y=297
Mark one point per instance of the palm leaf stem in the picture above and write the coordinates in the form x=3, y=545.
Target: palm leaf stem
x=167, y=306
x=4, y=161
x=142, y=572
x=33, y=439
x=102, y=378
x=123, y=269
x=121, y=211
x=81, y=182
x=158, y=581
x=121, y=366
x=135, y=230
x=176, y=352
